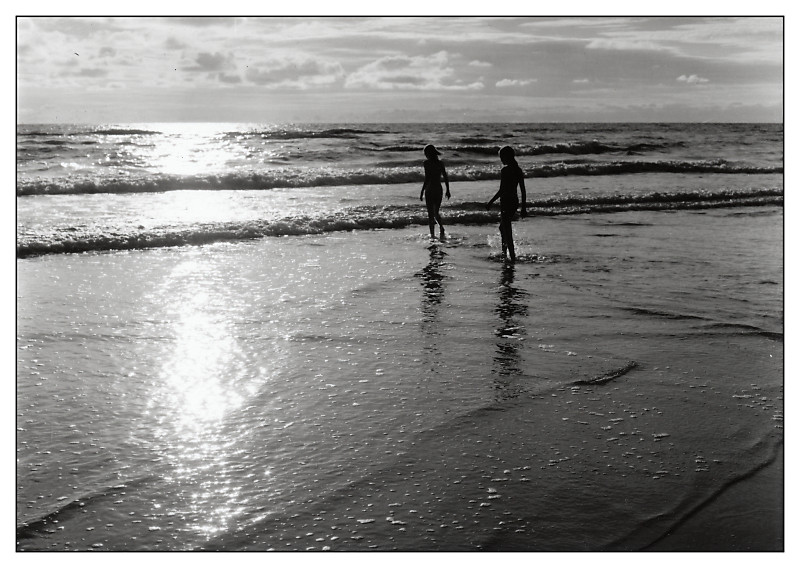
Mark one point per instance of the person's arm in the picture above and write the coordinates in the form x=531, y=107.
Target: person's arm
x=499, y=191
x=424, y=183
x=492, y=200
x=522, y=191
x=446, y=181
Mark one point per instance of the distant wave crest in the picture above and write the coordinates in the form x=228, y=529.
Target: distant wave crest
x=483, y=146
x=297, y=134
x=122, y=132
x=288, y=177
x=384, y=217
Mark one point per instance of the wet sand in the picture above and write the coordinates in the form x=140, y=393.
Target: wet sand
x=447, y=401
x=746, y=517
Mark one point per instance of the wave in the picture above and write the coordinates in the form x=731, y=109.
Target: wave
x=380, y=217
x=48, y=521
x=663, y=314
x=609, y=376
x=743, y=329
x=483, y=146
x=762, y=454
x=90, y=132
x=297, y=134
x=121, y=132
x=312, y=177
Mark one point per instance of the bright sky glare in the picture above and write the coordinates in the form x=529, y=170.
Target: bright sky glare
x=399, y=69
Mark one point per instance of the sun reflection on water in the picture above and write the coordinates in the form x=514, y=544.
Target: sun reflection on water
x=202, y=380
x=195, y=207
x=194, y=149
x=202, y=355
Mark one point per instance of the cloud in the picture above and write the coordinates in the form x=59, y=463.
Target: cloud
x=580, y=81
x=736, y=39
x=202, y=21
x=380, y=61
x=230, y=79
x=410, y=73
x=210, y=62
x=173, y=44
x=295, y=73
x=692, y=79
x=504, y=83
x=623, y=44
x=73, y=27
x=93, y=72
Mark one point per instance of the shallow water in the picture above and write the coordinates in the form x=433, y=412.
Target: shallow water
x=54, y=224
x=363, y=390
x=131, y=186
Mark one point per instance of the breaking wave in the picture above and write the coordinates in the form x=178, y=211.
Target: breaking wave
x=312, y=177
x=379, y=217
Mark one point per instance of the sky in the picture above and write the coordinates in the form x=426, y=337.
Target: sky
x=399, y=69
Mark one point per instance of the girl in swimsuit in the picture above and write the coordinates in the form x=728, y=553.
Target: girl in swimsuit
x=510, y=176
x=432, y=187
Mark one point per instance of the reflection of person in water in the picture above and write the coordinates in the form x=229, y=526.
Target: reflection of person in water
x=432, y=284
x=432, y=281
x=432, y=187
x=509, y=308
x=510, y=176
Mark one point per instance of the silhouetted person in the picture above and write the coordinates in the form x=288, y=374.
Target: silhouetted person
x=432, y=187
x=510, y=176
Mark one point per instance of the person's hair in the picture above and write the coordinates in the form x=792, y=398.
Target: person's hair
x=430, y=152
x=507, y=152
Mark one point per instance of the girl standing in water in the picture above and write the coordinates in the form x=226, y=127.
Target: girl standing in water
x=432, y=187
x=510, y=176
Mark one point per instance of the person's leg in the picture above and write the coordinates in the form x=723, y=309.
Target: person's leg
x=507, y=238
x=510, y=242
x=433, y=213
x=431, y=217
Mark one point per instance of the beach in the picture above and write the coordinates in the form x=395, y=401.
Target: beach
x=371, y=390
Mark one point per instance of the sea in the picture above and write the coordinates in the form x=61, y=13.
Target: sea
x=241, y=337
